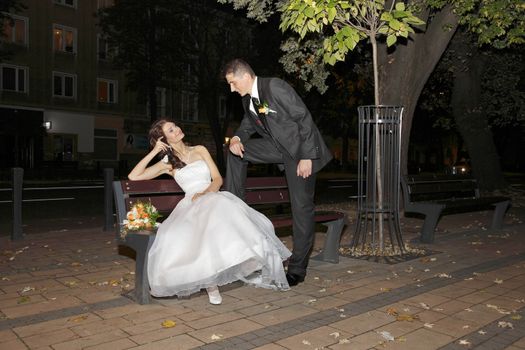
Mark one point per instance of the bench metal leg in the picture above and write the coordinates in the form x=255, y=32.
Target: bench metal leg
x=330, y=251
x=429, y=226
x=499, y=213
x=141, y=244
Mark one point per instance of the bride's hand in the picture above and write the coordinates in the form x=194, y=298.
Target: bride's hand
x=197, y=196
x=160, y=146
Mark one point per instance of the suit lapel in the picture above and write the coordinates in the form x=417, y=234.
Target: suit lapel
x=254, y=117
x=261, y=88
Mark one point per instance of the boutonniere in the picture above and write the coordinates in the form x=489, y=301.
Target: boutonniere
x=263, y=108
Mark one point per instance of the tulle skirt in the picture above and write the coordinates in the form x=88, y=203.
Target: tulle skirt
x=215, y=240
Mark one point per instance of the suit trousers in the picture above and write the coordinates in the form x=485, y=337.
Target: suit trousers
x=302, y=191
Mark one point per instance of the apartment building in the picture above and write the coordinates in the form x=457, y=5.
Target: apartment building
x=62, y=103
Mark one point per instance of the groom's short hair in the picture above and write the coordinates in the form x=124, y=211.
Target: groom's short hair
x=238, y=66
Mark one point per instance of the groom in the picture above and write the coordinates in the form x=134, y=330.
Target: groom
x=290, y=138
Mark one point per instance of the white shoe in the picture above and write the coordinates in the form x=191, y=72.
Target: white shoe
x=214, y=295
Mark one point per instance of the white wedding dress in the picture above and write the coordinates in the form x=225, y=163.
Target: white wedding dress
x=214, y=240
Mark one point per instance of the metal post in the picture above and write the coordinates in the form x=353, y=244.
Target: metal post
x=378, y=179
x=17, y=175
x=108, y=199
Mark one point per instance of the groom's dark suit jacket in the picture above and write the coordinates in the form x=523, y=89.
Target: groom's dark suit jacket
x=288, y=123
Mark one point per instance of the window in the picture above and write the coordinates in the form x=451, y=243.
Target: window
x=189, y=106
x=69, y=3
x=105, y=3
x=64, y=39
x=161, y=103
x=105, y=144
x=107, y=91
x=64, y=85
x=104, y=50
x=15, y=29
x=13, y=78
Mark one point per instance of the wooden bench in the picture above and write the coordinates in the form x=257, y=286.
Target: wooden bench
x=434, y=196
x=269, y=192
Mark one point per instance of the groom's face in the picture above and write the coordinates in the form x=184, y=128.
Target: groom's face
x=240, y=83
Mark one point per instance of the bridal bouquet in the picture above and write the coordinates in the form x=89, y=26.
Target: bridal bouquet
x=142, y=216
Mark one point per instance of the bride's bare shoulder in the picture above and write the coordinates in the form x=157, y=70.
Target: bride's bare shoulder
x=200, y=149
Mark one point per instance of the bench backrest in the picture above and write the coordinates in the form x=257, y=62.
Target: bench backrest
x=165, y=194
x=433, y=188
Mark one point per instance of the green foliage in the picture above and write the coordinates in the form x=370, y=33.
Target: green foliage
x=344, y=23
x=498, y=23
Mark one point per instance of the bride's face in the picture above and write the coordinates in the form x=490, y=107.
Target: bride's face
x=172, y=133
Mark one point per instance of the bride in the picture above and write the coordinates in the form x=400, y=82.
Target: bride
x=211, y=238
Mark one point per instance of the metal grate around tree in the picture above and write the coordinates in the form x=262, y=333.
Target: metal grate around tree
x=378, y=180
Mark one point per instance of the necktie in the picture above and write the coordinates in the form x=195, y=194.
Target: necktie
x=256, y=104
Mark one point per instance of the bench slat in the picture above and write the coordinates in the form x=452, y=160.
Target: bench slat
x=438, y=195
x=150, y=186
x=267, y=196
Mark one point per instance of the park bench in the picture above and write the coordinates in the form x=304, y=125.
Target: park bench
x=438, y=195
x=268, y=192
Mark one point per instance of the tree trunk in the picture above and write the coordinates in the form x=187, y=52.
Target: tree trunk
x=470, y=119
x=405, y=70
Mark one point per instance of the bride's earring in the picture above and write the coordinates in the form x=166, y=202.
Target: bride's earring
x=214, y=295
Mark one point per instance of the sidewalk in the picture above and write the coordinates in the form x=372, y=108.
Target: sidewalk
x=63, y=290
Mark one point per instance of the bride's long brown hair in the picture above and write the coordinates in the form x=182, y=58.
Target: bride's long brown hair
x=155, y=132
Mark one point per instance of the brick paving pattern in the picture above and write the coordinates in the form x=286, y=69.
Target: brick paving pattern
x=64, y=290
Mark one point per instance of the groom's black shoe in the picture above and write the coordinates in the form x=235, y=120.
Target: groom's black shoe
x=294, y=279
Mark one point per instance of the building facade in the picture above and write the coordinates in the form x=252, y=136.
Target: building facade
x=63, y=104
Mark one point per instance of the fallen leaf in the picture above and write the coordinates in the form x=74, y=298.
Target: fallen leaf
x=335, y=334
x=464, y=342
x=424, y=306
x=505, y=324
x=407, y=317
x=23, y=299
x=344, y=341
x=216, y=336
x=322, y=290
x=306, y=342
x=482, y=332
x=516, y=317
x=392, y=311
x=498, y=281
x=168, y=324
x=74, y=264
x=428, y=325
x=27, y=289
x=466, y=326
x=469, y=310
x=78, y=318
x=387, y=335
x=443, y=275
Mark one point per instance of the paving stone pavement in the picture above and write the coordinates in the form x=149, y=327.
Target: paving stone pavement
x=66, y=290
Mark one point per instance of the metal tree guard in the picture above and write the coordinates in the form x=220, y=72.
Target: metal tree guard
x=378, y=178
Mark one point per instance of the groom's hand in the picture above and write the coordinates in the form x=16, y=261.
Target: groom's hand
x=236, y=147
x=304, y=168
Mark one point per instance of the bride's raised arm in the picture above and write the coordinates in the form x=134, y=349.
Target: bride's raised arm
x=141, y=171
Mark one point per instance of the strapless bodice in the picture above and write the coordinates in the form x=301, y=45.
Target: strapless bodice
x=194, y=177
